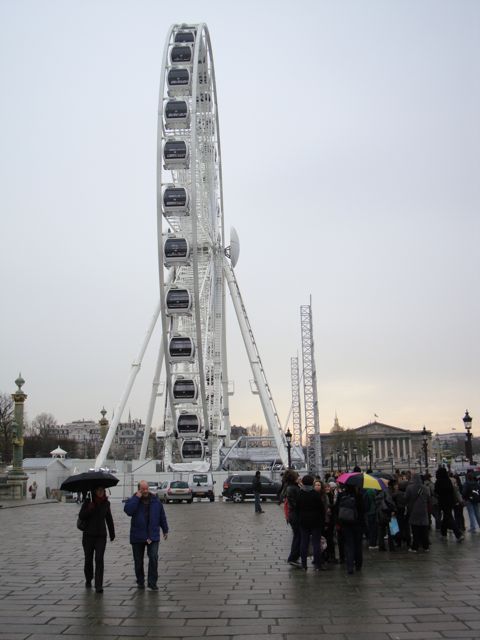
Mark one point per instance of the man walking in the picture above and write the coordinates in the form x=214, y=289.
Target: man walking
x=257, y=490
x=148, y=517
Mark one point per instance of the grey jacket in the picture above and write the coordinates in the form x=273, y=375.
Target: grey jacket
x=418, y=502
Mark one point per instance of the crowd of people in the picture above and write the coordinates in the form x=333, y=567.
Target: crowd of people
x=333, y=522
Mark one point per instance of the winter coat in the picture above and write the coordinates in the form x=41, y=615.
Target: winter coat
x=98, y=517
x=418, y=502
x=310, y=508
x=359, y=505
x=147, y=520
x=257, y=485
x=291, y=496
x=445, y=491
x=385, y=506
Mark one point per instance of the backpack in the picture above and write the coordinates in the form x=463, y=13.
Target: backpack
x=347, y=510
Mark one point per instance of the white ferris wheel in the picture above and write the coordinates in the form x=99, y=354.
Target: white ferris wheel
x=195, y=268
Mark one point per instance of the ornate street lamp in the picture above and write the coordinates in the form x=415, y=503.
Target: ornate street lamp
x=467, y=421
x=355, y=455
x=392, y=460
x=425, y=447
x=331, y=461
x=345, y=454
x=339, y=460
x=288, y=438
x=370, y=455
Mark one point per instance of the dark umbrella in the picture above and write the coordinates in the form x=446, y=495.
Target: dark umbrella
x=89, y=481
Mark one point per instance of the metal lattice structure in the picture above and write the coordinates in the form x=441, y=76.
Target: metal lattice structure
x=296, y=405
x=195, y=269
x=312, y=422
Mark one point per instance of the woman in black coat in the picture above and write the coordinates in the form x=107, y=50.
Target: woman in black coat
x=97, y=516
x=446, y=502
x=311, y=518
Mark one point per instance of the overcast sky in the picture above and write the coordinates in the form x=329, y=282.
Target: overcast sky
x=350, y=142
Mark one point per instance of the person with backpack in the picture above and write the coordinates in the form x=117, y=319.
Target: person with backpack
x=471, y=495
x=385, y=511
x=311, y=518
x=350, y=517
x=371, y=517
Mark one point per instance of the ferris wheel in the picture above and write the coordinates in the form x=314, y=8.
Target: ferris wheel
x=191, y=245
x=195, y=268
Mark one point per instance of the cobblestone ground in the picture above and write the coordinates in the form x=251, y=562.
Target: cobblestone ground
x=223, y=575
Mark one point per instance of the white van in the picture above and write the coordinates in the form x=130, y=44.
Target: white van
x=201, y=483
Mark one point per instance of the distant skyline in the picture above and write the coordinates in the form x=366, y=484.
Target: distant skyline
x=350, y=137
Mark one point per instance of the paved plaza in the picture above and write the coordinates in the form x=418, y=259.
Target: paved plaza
x=223, y=575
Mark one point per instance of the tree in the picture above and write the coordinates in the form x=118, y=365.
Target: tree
x=43, y=424
x=256, y=430
x=6, y=419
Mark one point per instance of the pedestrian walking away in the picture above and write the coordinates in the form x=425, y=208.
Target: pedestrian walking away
x=418, y=509
x=257, y=490
x=351, y=516
x=148, y=517
x=446, y=502
x=95, y=517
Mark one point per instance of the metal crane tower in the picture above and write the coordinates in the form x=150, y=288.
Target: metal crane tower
x=312, y=423
x=296, y=407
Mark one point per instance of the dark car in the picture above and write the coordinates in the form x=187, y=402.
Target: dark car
x=238, y=487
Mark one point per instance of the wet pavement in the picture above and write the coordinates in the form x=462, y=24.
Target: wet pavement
x=223, y=575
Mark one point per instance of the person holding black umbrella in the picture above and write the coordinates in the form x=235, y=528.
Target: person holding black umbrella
x=96, y=516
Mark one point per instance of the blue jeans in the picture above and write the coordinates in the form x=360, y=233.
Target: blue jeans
x=138, y=549
x=474, y=514
x=258, y=504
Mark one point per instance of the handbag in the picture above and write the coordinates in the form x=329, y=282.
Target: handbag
x=81, y=524
x=393, y=525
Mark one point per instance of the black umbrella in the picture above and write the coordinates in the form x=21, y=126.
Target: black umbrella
x=89, y=481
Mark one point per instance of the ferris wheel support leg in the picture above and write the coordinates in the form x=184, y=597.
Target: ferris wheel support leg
x=255, y=364
x=153, y=400
x=102, y=456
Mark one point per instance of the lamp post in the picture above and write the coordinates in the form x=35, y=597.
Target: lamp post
x=331, y=461
x=339, y=460
x=345, y=454
x=288, y=438
x=355, y=455
x=425, y=447
x=467, y=421
x=370, y=455
x=392, y=460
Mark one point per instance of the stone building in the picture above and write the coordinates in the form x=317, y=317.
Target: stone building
x=376, y=443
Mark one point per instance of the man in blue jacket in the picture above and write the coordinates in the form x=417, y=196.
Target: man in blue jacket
x=148, y=517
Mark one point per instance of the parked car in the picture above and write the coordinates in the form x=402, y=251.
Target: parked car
x=175, y=491
x=201, y=485
x=238, y=487
x=153, y=487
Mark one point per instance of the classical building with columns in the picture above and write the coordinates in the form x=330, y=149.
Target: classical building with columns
x=375, y=444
